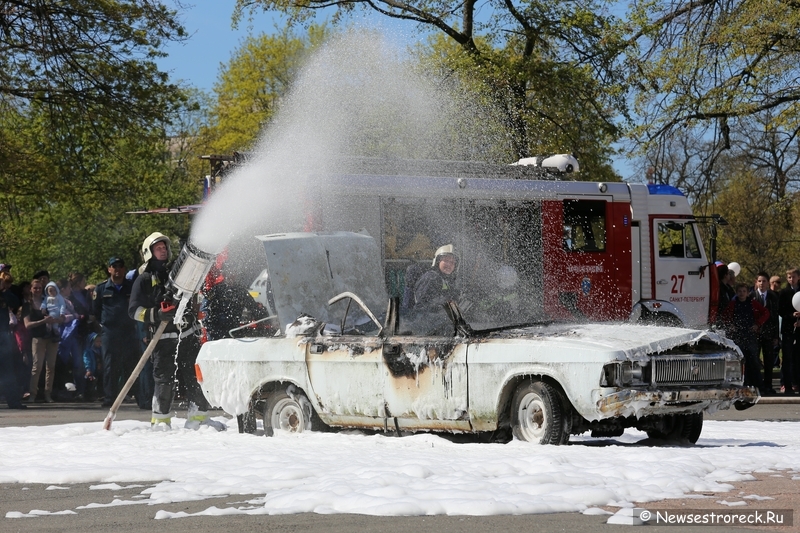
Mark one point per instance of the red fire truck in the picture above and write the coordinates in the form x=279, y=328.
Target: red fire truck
x=565, y=249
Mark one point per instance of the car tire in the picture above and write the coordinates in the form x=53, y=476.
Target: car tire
x=692, y=427
x=538, y=414
x=680, y=428
x=291, y=414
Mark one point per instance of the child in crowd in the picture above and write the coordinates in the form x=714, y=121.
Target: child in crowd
x=53, y=304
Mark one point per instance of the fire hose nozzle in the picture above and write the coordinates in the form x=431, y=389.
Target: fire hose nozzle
x=189, y=270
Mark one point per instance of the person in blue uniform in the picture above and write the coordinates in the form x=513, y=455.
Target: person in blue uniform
x=120, y=347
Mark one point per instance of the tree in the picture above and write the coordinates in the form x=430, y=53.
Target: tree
x=67, y=211
x=250, y=86
x=91, y=57
x=551, y=64
x=708, y=65
x=84, y=119
x=772, y=151
x=766, y=245
x=682, y=161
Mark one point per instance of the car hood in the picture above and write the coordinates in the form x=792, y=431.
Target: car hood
x=633, y=341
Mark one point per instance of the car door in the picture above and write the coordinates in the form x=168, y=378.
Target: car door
x=347, y=375
x=680, y=275
x=426, y=382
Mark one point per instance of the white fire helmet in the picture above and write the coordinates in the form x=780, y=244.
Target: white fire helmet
x=147, y=245
x=447, y=249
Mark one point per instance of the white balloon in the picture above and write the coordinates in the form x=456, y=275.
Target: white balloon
x=796, y=301
x=736, y=267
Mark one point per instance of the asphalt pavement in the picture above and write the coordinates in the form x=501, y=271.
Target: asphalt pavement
x=141, y=518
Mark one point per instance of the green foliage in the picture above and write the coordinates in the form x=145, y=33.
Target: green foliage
x=88, y=130
x=713, y=63
x=538, y=109
x=250, y=87
x=69, y=213
x=549, y=65
x=767, y=245
x=90, y=57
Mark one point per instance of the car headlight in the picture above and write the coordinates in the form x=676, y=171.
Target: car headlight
x=622, y=374
x=733, y=370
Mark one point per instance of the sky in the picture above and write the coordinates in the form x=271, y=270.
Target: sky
x=351, y=472
x=212, y=40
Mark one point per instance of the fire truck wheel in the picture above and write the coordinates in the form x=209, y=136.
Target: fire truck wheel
x=538, y=414
x=663, y=319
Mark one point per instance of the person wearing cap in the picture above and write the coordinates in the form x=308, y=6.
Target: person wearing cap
x=5, y=267
x=437, y=286
x=176, y=351
x=120, y=346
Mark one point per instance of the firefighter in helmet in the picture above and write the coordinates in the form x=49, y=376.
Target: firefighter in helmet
x=437, y=285
x=149, y=291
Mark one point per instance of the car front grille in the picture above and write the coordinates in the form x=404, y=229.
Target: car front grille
x=676, y=370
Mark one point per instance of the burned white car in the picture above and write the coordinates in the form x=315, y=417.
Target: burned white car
x=353, y=361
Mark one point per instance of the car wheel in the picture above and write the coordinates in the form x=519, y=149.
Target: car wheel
x=665, y=426
x=538, y=415
x=692, y=427
x=283, y=412
x=679, y=428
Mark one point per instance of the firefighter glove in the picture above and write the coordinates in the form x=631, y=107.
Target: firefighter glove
x=160, y=315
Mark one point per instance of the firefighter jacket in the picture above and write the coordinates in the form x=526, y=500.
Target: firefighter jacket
x=226, y=303
x=434, y=289
x=149, y=290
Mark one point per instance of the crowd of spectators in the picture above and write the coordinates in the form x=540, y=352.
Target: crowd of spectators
x=763, y=321
x=60, y=349
x=56, y=351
